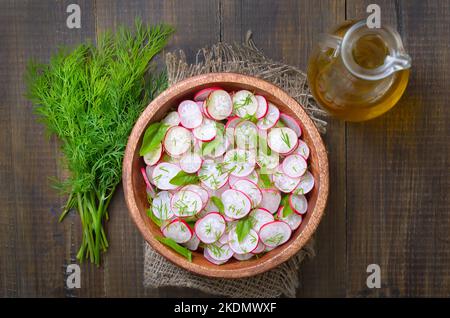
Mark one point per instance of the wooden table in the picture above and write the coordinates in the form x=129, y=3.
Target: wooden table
x=388, y=202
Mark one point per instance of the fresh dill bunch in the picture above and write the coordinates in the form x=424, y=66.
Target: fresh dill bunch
x=90, y=98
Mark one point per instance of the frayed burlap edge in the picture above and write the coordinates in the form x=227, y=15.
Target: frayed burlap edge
x=245, y=59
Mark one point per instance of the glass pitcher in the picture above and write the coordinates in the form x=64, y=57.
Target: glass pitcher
x=357, y=73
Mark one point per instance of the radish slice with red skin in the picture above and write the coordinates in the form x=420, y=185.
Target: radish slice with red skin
x=298, y=203
x=290, y=122
x=186, y=203
x=283, y=182
x=190, y=114
x=161, y=206
x=251, y=189
x=244, y=103
x=270, y=119
x=293, y=220
x=247, y=245
x=305, y=184
x=263, y=107
x=302, y=149
x=172, y=119
x=246, y=135
x=210, y=259
x=199, y=190
x=268, y=162
x=253, y=177
x=236, y=204
x=271, y=200
x=218, y=252
x=294, y=166
x=261, y=217
x=193, y=243
x=243, y=257
x=268, y=249
x=224, y=238
x=275, y=233
x=206, y=131
x=163, y=173
x=177, y=141
x=282, y=140
x=210, y=228
x=203, y=94
x=149, y=172
x=151, y=158
x=259, y=248
x=202, y=106
x=219, y=105
x=211, y=175
x=190, y=162
x=233, y=122
x=144, y=175
x=178, y=230
x=240, y=162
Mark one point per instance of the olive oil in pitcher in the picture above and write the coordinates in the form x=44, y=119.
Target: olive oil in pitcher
x=357, y=73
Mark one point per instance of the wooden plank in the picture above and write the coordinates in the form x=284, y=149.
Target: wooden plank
x=287, y=31
x=197, y=25
x=33, y=247
x=397, y=166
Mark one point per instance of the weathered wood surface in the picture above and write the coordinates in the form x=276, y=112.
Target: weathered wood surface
x=389, y=177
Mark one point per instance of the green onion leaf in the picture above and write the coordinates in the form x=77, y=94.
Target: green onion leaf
x=176, y=247
x=218, y=203
x=265, y=180
x=155, y=220
x=287, y=210
x=183, y=178
x=153, y=137
x=243, y=227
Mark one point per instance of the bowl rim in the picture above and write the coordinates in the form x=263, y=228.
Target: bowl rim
x=239, y=79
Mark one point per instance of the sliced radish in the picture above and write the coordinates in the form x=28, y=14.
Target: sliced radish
x=178, y=230
x=199, y=190
x=206, y=131
x=275, y=233
x=236, y=204
x=260, y=248
x=248, y=243
x=161, y=205
x=261, y=217
x=270, y=119
x=177, y=140
x=240, y=162
x=298, y=203
x=151, y=158
x=210, y=228
x=210, y=259
x=246, y=135
x=193, y=243
x=253, y=177
x=233, y=122
x=282, y=140
x=144, y=175
x=224, y=238
x=172, y=119
x=294, y=166
x=290, y=122
x=202, y=106
x=213, y=175
x=149, y=173
x=163, y=173
x=190, y=162
x=293, y=220
x=306, y=184
x=283, y=182
x=268, y=162
x=186, y=203
x=190, y=114
x=219, y=252
x=263, y=107
x=243, y=257
x=219, y=105
x=244, y=103
x=201, y=95
x=271, y=200
x=251, y=189
x=302, y=149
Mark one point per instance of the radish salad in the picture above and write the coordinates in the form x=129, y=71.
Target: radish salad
x=226, y=173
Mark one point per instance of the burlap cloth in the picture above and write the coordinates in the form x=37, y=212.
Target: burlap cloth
x=245, y=59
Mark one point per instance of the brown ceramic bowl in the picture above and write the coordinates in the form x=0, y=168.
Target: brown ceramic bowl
x=134, y=185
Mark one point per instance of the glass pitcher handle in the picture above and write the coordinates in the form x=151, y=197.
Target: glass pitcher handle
x=328, y=41
x=399, y=62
